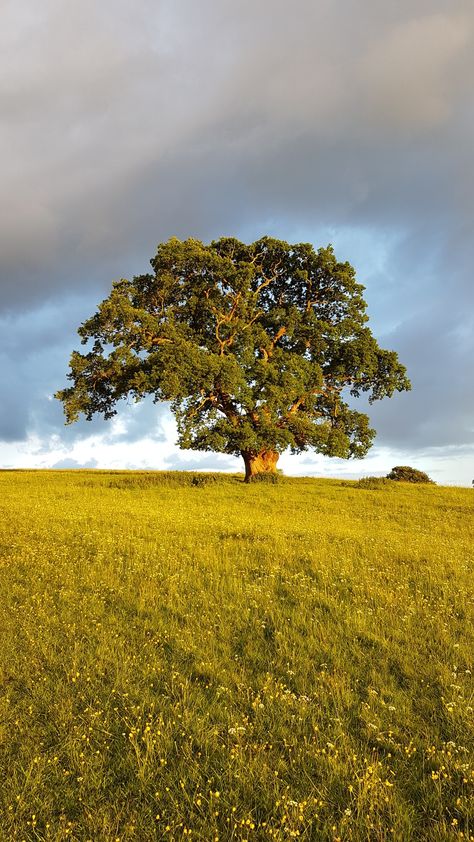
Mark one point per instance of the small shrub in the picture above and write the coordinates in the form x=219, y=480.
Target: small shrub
x=202, y=480
x=269, y=479
x=142, y=480
x=373, y=483
x=403, y=473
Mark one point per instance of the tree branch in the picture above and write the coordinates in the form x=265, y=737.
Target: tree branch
x=267, y=352
x=268, y=281
x=224, y=318
x=159, y=340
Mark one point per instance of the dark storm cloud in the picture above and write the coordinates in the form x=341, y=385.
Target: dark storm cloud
x=126, y=123
x=439, y=412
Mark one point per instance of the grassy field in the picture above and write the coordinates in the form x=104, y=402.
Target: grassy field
x=215, y=661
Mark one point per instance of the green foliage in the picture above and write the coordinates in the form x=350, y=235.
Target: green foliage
x=373, y=483
x=255, y=347
x=234, y=661
x=268, y=478
x=141, y=480
x=403, y=473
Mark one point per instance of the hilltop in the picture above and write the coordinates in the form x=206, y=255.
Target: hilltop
x=184, y=656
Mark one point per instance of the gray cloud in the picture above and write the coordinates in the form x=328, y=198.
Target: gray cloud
x=73, y=464
x=439, y=412
x=202, y=462
x=347, y=122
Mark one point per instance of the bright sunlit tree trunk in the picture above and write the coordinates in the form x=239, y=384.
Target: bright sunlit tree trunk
x=264, y=462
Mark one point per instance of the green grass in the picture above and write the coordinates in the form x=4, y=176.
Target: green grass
x=221, y=661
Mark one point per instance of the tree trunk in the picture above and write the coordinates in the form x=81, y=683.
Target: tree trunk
x=264, y=462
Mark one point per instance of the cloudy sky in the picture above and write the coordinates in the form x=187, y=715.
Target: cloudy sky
x=350, y=122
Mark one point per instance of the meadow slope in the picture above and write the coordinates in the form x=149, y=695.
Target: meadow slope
x=217, y=661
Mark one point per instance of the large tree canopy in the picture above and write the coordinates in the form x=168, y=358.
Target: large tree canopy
x=256, y=346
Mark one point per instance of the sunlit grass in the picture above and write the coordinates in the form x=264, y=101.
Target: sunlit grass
x=221, y=661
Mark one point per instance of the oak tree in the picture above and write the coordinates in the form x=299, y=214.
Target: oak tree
x=257, y=347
